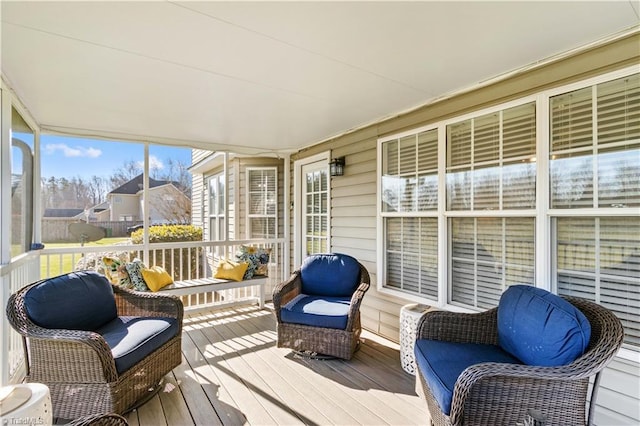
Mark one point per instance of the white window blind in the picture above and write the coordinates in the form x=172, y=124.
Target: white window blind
x=412, y=255
x=598, y=258
x=487, y=255
x=262, y=200
x=595, y=163
x=410, y=173
x=595, y=145
x=491, y=161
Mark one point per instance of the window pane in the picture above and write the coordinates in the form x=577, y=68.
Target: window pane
x=501, y=173
x=487, y=256
x=598, y=259
x=619, y=176
x=519, y=132
x=571, y=180
x=519, y=185
x=619, y=110
x=408, y=155
x=571, y=120
x=459, y=144
x=486, y=138
x=409, y=173
x=411, y=254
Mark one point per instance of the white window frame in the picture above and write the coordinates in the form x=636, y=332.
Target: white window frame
x=380, y=216
x=217, y=215
x=542, y=213
x=248, y=215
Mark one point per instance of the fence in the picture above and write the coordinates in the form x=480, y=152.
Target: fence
x=57, y=229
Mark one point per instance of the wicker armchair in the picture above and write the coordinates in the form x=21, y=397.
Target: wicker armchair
x=77, y=364
x=502, y=393
x=336, y=284
x=109, y=419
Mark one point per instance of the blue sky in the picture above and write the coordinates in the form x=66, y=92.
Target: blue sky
x=69, y=157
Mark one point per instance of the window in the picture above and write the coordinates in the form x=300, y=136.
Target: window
x=491, y=168
x=262, y=201
x=488, y=254
x=409, y=188
x=595, y=168
x=217, y=207
x=497, y=213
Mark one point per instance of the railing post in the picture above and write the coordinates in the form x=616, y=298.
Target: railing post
x=5, y=282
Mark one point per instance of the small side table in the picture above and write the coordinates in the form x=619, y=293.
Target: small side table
x=25, y=404
x=409, y=317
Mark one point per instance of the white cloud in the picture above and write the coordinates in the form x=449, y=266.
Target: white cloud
x=68, y=151
x=154, y=163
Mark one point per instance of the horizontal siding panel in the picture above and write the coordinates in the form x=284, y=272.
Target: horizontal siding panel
x=366, y=233
x=353, y=222
x=625, y=406
x=368, y=200
x=338, y=192
x=358, y=211
x=351, y=243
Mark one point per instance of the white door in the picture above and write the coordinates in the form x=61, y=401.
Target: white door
x=314, y=211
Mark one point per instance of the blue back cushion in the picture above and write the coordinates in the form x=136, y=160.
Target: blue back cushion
x=540, y=328
x=76, y=301
x=330, y=275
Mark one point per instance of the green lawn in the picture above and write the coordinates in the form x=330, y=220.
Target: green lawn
x=65, y=263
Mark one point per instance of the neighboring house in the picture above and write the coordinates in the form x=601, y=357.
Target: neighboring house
x=167, y=204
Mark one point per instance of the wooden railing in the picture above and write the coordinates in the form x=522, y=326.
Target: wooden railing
x=22, y=270
x=183, y=260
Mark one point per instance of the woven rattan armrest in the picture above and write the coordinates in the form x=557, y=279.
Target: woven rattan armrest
x=147, y=304
x=354, y=307
x=459, y=327
x=528, y=376
x=285, y=291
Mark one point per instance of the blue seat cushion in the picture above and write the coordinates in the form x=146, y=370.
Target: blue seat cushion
x=330, y=275
x=441, y=363
x=131, y=339
x=317, y=311
x=77, y=301
x=541, y=328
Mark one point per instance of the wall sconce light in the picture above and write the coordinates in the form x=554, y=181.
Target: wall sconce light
x=336, y=167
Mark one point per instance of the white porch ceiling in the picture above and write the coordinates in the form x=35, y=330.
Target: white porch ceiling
x=271, y=77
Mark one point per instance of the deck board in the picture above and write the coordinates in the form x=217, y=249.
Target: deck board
x=233, y=374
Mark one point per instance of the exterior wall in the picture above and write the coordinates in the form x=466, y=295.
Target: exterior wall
x=159, y=213
x=236, y=212
x=353, y=196
x=241, y=173
x=129, y=205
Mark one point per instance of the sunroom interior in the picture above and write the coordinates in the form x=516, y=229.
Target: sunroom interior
x=485, y=144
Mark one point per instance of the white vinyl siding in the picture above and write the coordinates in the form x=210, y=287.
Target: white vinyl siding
x=595, y=185
x=262, y=201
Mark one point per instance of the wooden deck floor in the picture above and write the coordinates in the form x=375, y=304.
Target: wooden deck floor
x=233, y=374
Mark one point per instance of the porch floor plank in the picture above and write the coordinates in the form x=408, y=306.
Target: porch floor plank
x=233, y=374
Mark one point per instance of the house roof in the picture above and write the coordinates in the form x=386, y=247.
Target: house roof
x=70, y=213
x=269, y=77
x=135, y=185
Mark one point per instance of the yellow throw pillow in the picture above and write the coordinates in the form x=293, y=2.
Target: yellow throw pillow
x=229, y=270
x=156, y=277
